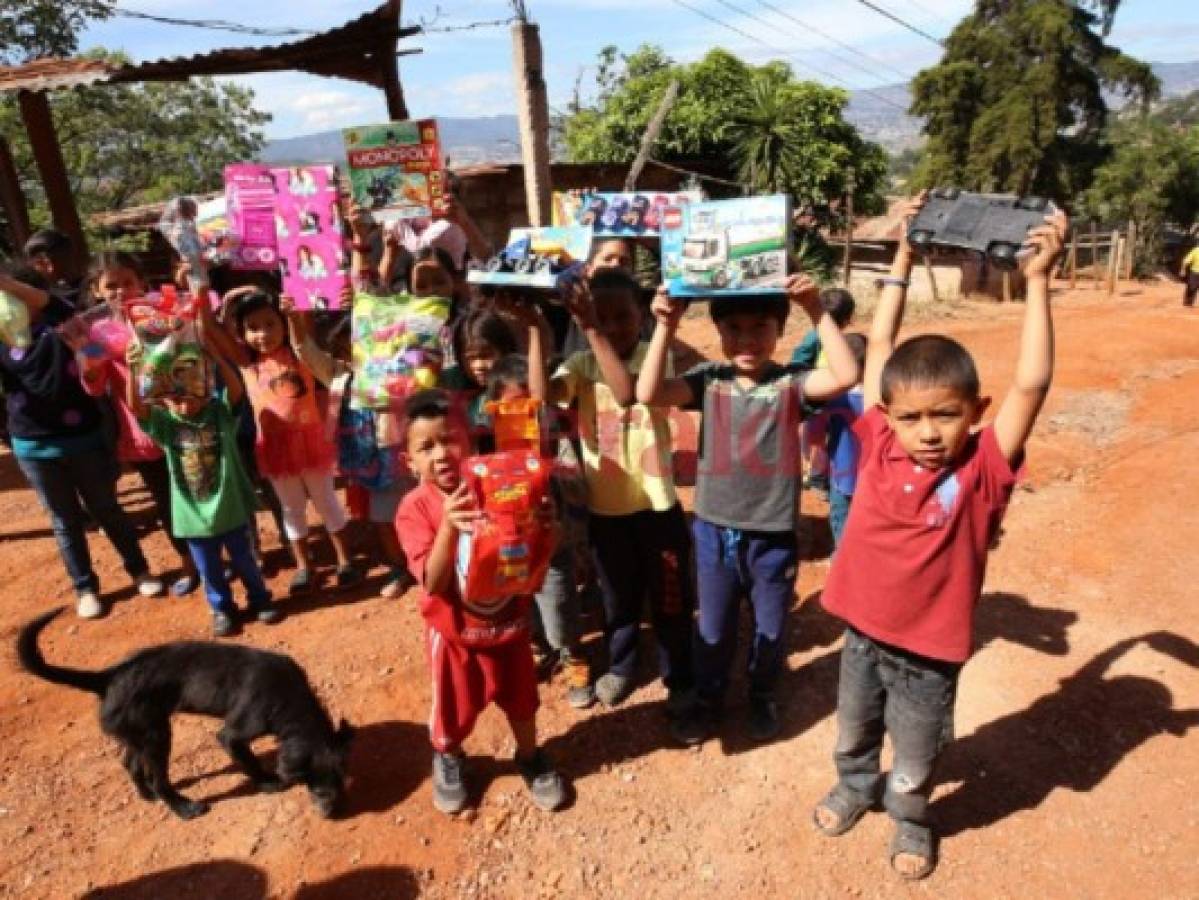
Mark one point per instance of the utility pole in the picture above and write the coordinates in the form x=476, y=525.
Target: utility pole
x=532, y=107
x=652, y=130
x=850, y=185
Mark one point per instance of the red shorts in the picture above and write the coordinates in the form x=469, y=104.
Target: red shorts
x=467, y=679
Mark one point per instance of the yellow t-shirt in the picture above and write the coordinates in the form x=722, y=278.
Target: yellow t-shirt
x=1191, y=262
x=626, y=452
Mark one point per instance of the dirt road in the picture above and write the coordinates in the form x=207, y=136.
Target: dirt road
x=1075, y=772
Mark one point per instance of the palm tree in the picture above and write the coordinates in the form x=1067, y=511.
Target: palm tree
x=764, y=135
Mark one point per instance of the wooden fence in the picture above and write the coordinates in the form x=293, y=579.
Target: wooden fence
x=1101, y=257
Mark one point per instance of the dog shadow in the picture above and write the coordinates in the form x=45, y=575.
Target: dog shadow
x=230, y=879
x=1072, y=738
x=388, y=762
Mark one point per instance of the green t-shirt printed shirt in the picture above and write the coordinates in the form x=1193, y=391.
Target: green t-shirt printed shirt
x=210, y=491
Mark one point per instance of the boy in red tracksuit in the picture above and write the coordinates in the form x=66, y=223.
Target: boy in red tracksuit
x=476, y=657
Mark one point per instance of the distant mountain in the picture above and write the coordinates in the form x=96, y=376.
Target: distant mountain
x=880, y=114
x=464, y=141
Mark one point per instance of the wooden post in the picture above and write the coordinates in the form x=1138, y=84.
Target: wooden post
x=850, y=184
x=1095, y=273
x=532, y=109
x=1131, y=254
x=12, y=200
x=1007, y=286
x=1115, y=261
x=932, y=279
x=39, y=125
x=1073, y=262
x=652, y=130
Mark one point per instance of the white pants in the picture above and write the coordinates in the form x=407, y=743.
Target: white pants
x=294, y=492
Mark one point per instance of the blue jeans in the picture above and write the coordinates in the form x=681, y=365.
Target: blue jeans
x=838, y=513
x=646, y=554
x=885, y=689
x=66, y=487
x=206, y=552
x=732, y=564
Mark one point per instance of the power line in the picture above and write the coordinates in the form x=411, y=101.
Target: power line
x=745, y=34
x=215, y=24
x=828, y=37
x=898, y=21
x=468, y=26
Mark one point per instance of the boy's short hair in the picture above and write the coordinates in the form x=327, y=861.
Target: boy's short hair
x=930, y=360
x=432, y=403
x=511, y=369
x=839, y=304
x=49, y=241
x=614, y=283
x=777, y=308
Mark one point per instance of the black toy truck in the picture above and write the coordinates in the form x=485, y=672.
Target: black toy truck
x=992, y=224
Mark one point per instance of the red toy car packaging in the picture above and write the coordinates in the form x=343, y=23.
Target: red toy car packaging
x=509, y=550
x=516, y=424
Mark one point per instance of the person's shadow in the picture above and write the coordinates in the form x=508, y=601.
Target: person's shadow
x=230, y=879
x=1072, y=738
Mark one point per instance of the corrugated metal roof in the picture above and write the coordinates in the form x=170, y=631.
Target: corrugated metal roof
x=350, y=51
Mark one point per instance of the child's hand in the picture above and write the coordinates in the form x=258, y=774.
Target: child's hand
x=527, y=315
x=345, y=296
x=460, y=510
x=803, y=292
x=134, y=354
x=1047, y=242
x=667, y=310
x=287, y=306
x=577, y=298
x=907, y=210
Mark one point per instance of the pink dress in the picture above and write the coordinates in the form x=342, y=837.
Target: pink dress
x=291, y=431
x=112, y=376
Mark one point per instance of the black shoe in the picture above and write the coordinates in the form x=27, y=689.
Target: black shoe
x=695, y=726
x=613, y=690
x=347, y=576
x=223, y=623
x=546, y=786
x=449, y=783
x=764, y=722
x=266, y=612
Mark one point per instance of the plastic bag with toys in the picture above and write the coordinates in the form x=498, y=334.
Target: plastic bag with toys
x=396, y=347
x=173, y=361
x=14, y=322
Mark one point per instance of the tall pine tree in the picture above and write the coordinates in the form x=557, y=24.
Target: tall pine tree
x=1016, y=103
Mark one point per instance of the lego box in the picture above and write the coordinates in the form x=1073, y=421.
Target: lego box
x=726, y=247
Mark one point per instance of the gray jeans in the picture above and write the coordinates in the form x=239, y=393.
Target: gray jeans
x=556, y=612
x=884, y=689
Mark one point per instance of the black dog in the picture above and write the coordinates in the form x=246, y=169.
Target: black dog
x=256, y=693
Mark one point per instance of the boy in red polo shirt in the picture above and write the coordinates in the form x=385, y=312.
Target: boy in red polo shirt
x=931, y=492
x=476, y=657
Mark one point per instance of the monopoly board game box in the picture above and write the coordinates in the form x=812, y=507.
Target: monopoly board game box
x=396, y=170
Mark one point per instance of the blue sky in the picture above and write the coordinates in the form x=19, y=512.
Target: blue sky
x=469, y=73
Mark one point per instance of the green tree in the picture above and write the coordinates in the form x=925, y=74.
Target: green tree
x=140, y=143
x=1016, y=102
x=1152, y=179
x=31, y=29
x=756, y=125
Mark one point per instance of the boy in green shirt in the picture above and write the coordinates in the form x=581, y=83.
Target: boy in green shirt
x=212, y=500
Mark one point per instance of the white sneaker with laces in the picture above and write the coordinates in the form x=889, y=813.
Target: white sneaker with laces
x=149, y=586
x=87, y=606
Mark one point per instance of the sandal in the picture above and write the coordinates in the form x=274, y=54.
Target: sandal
x=847, y=806
x=914, y=840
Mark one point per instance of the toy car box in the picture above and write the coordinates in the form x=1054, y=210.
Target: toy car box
x=542, y=258
x=995, y=225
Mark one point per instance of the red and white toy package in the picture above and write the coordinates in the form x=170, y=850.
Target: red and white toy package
x=509, y=550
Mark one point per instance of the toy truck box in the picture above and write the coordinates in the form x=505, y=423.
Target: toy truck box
x=726, y=247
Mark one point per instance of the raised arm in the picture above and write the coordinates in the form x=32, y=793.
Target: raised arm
x=137, y=406
x=888, y=315
x=34, y=298
x=229, y=375
x=214, y=333
x=458, y=516
x=612, y=367
x=1034, y=366
x=653, y=387
x=476, y=241
x=530, y=317
x=842, y=372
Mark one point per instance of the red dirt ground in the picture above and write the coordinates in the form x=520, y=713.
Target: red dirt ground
x=1075, y=772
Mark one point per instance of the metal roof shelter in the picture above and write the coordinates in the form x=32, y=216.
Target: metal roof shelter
x=363, y=50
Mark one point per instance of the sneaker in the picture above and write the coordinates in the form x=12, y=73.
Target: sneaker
x=397, y=584
x=449, y=783
x=301, y=582
x=579, y=692
x=764, y=722
x=546, y=786
x=223, y=623
x=266, y=612
x=87, y=605
x=613, y=689
x=695, y=726
x=184, y=586
x=348, y=576
x=149, y=586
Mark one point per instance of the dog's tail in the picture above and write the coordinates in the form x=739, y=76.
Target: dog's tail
x=33, y=661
